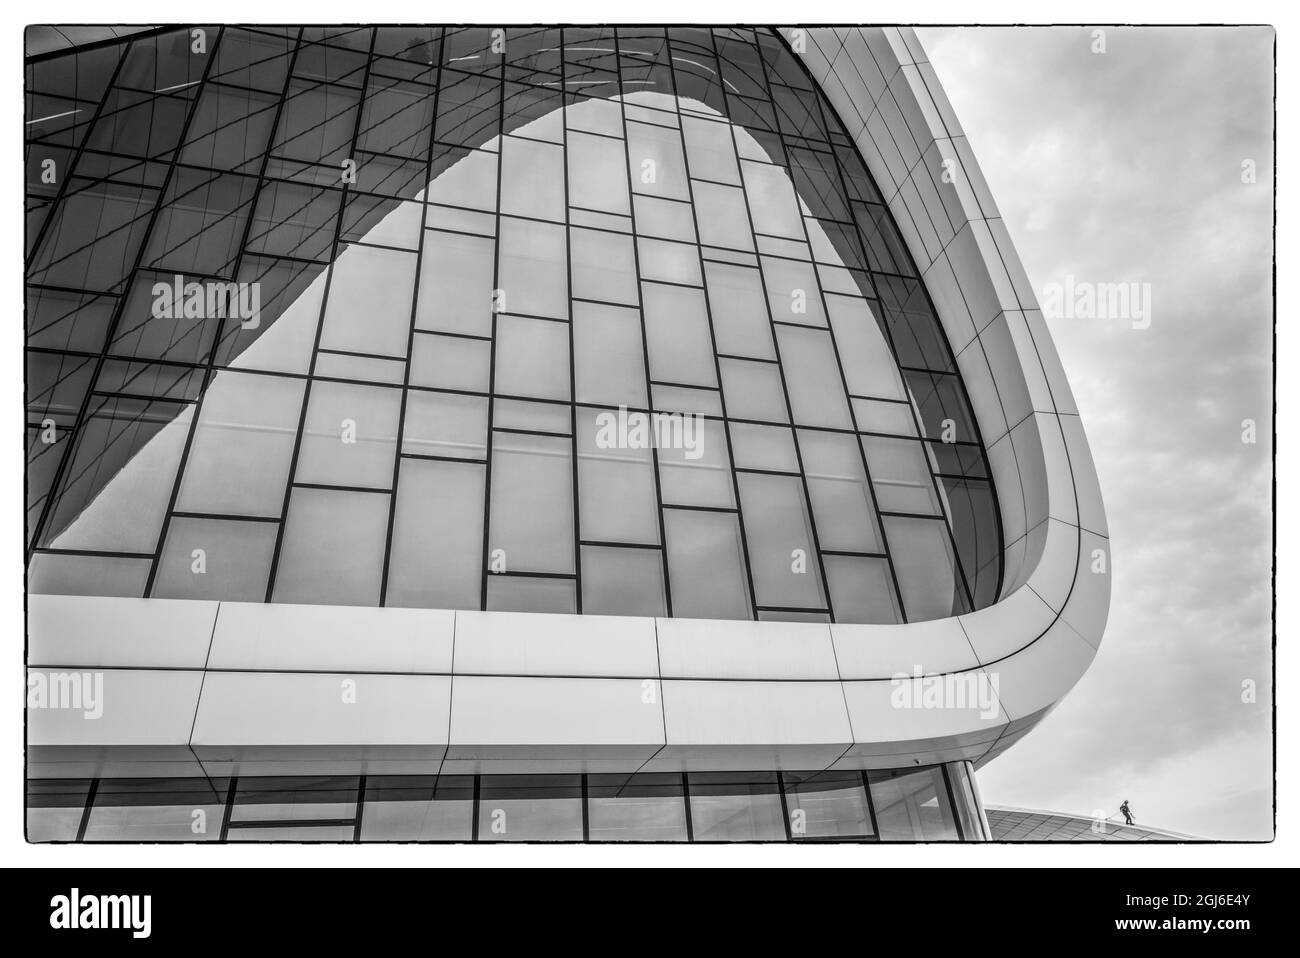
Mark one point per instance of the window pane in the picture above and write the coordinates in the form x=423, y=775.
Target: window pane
x=642, y=808
x=812, y=376
x=827, y=805
x=677, y=327
x=456, y=284
x=301, y=798
x=781, y=550
x=239, y=461
x=216, y=559
x=532, y=358
x=616, y=489
x=418, y=809
x=436, y=559
x=532, y=179
x=837, y=486
x=597, y=175
x=654, y=155
x=867, y=360
x=350, y=435
x=622, y=581
x=156, y=810
x=52, y=574
x=369, y=307
x=532, y=503
x=894, y=418
x=706, y=565
x=54, y=808
x=793, y=291
x=912, y=806
x=699, y=477
x=900, y=475
x=608, y=356
x=530, y=808
x=669, y=262
x=521, y=593
x=533, y=269
x=923, y=562
x=451, y=362
x=604, y=266
x=740, y=319
x=115, y=490
x=772, y=200
x=722, y=216
x=735, y=807
x=333, y=549
x=710, y=150
x=770, y=448
x=861, y=590
x=445, y=425
x=753, y=390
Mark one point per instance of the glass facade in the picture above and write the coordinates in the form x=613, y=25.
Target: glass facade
x=564, y=320
x=922, y=804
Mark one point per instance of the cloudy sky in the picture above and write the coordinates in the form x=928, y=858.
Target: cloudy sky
x=1127, y=166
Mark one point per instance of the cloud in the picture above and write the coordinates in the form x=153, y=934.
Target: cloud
x=1127, y=167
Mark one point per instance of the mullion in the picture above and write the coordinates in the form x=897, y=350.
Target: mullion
x=830, y=330
x=410, y=352
x=776, y=343
x=209, y=368
x=320, y=328
x=713, y=339
x=492, y=352
x=645, y=338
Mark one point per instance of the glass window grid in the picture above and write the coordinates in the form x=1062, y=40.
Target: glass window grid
x=828, y=151
x=334, y=809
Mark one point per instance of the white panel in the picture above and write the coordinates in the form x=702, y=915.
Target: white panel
x=949, y=304
x=297, y=709
x=1041, y=674
x=142, y=707
x=973, y=275
x=883, y=651
x=1007, y=626
x=894, y=717
x=327, y=638
x=1089, y=602
x=719, y=649
x=99, y=631
x=497, y=716
x=1006, y=477
x=1087, y=486
x=755, y=713
x=1055, y=572
x=523, y=643
x=1026, y=353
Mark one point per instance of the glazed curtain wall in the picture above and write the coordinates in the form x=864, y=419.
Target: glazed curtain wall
x=469, y=249
x=934, y=803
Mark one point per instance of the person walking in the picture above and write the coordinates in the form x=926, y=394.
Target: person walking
x=1128, y=815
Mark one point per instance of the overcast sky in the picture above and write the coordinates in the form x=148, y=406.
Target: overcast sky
x=1120, y=167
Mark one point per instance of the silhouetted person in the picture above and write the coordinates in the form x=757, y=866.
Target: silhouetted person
x=1128, y=816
